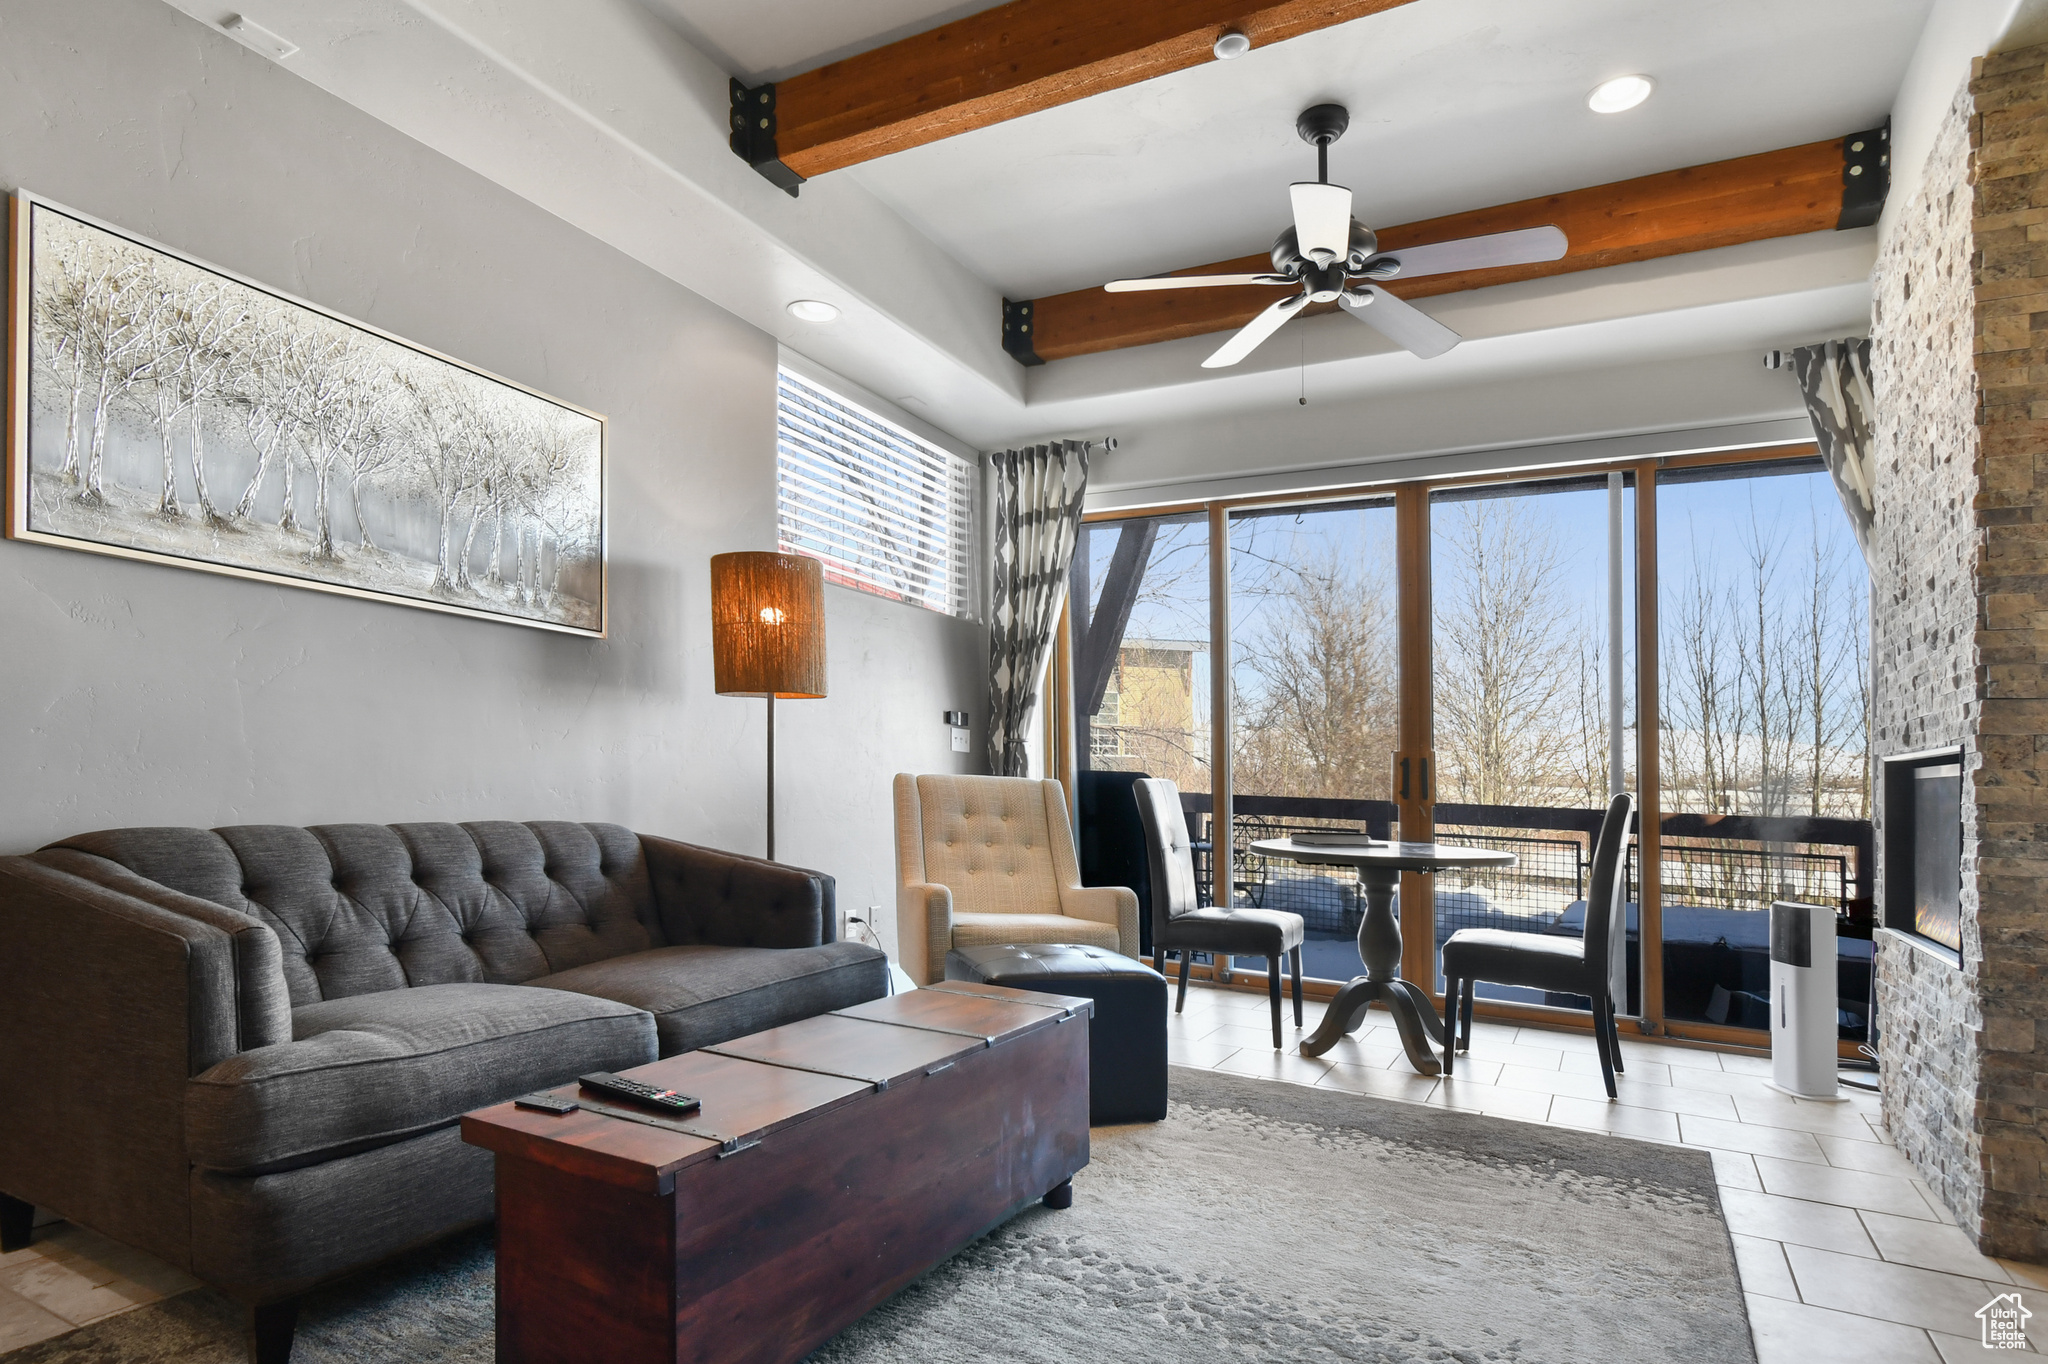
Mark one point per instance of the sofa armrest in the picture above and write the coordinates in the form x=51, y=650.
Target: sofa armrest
x=723, y=899
x=924, y=930
x=1105, y=905
x=261, y=1012
x=108, y=1004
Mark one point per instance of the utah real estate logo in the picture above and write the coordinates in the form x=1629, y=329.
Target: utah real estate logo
x=2005, y=1322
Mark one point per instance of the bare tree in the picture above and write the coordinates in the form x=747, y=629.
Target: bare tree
x=444, y=419
x=113, y=345
x=338, y=398
x=208, y=326
x=70, y=321
x=1506, y=641
x=378, y=451
x=266, y=393
x=159, y=317
x=1320, y=716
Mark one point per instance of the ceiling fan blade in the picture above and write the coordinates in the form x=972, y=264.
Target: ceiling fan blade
x=1253, y=332
x=1131, y=286
x=1524, y=247
x=1322, y=219
x=1401, y=323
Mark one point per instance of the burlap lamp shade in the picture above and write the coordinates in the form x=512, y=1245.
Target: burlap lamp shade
x=768, y=625
x=768, y=635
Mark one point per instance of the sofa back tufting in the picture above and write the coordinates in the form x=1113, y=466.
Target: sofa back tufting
x=359, y=908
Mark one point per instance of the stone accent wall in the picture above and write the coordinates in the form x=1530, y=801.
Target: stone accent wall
x=1923, y=597
x=1959, y=610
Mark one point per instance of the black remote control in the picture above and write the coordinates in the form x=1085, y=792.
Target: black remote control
x=546, y=1103
x=633, y=1091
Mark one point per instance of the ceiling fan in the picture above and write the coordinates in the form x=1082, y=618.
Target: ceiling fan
x=1336, y=259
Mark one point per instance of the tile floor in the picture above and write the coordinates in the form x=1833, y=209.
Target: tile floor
x=1843, y=1253
x=69, y=1276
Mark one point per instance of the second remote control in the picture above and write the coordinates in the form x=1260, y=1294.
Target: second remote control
x=633, y=1091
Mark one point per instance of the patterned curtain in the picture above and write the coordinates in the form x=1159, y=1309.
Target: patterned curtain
x=1835, y=380
x=1038, y=516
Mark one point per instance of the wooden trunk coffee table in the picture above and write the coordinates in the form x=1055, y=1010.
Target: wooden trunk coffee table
x=837, y=1159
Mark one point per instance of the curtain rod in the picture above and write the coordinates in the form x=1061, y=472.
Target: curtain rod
x=1107, y=444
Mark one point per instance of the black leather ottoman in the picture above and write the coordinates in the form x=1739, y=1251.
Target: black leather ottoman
x=1126, y=1040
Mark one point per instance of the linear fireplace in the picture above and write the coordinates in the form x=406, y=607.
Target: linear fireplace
x=1923, y=846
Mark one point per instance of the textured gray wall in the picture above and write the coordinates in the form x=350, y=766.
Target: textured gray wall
x=140, y=694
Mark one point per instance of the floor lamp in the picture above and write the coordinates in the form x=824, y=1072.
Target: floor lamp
x=768, y=635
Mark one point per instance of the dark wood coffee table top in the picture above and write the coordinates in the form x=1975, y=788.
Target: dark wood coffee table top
x=755, y=1086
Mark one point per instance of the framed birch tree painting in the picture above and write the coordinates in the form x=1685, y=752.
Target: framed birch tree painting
x=161, y=408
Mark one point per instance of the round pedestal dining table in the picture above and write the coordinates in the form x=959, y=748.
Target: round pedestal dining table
x=1379, y=867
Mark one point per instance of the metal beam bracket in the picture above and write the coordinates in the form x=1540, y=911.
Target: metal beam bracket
x=1017, y=334
x=753, y=134
x=1866, y=176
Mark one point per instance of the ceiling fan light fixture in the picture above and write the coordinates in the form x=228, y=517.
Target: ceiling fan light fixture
x=1231, y=44
x=813, y=310
x=1620, y=94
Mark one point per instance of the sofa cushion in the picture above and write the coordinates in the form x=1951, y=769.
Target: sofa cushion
x=367, y=1070
x=703, y=995
x=359, y=908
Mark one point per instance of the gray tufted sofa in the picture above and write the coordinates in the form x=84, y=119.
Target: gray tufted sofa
x=245, y=1050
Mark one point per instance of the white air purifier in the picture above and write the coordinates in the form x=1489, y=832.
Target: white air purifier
x=1803, y=1005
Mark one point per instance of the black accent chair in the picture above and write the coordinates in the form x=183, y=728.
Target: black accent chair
x=1592, y=966
x=1181, y=924
x=1111, y=841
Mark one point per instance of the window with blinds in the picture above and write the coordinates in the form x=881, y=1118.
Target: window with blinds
x=887, y=512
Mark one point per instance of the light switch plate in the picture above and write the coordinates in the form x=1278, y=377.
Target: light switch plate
x=959, y=740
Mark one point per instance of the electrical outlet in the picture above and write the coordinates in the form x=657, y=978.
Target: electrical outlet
x=959, y=740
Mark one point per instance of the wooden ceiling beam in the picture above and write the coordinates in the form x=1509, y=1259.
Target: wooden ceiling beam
x=994, y=66
x=1814, y=188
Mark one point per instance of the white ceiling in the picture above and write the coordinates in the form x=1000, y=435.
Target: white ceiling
x=759, y=41
x=1455, y=104
x=611, y=113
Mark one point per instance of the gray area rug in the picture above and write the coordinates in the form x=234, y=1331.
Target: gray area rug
x=1261, y=1221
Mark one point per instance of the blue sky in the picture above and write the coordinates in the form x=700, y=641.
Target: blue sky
x=1700, y=526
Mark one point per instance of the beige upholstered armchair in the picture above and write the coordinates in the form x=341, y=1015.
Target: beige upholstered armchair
x=991, y=860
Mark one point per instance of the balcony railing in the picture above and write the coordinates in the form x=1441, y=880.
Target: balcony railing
x=1717, y=876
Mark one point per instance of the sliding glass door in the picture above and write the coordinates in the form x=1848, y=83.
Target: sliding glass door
x=1526, y=625
x=1763, y=752
x=1313, y=679
x=1482, y=663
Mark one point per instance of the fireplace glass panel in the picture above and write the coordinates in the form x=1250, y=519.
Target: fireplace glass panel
x=1938, y=853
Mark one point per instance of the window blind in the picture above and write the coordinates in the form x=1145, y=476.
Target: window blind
x=885, y=511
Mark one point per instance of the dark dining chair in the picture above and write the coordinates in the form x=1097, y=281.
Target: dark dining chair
x=1182, y=924
x=1592, y=965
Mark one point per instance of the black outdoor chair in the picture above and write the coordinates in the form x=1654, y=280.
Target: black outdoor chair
x=1591, y=966
x=1182, y=925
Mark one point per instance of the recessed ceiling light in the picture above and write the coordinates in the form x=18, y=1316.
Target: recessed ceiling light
x=1623, y=92
x=812, y=310
x=1232, y=44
